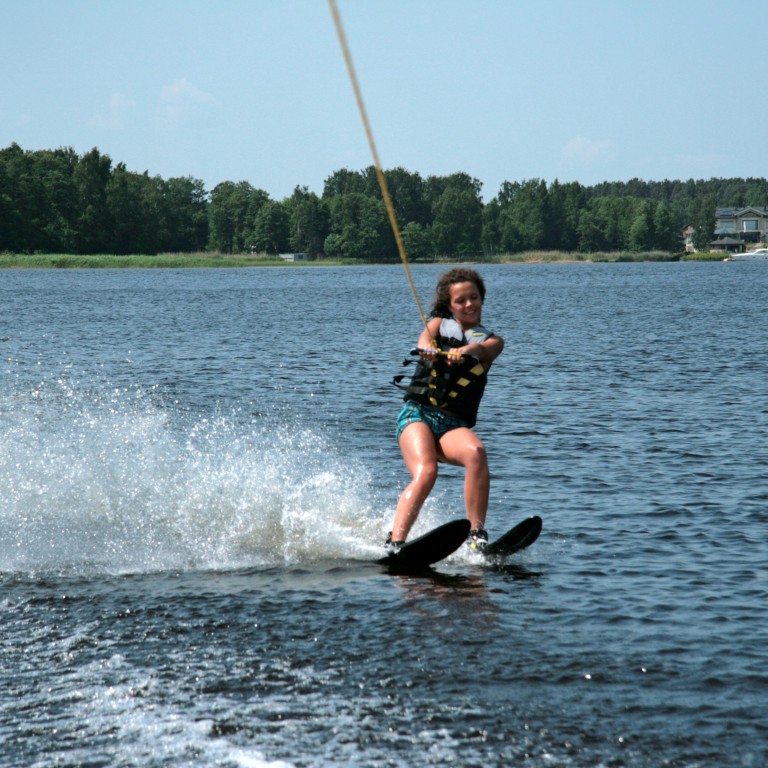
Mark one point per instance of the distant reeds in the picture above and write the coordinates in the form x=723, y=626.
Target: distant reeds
x=204, y=259
x=135, y=261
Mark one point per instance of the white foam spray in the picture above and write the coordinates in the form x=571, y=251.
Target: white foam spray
x=117, y=481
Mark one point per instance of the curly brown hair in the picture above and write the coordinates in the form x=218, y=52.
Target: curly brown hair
x=441, y=305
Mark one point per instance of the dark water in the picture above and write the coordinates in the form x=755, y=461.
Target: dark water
x=197, y=466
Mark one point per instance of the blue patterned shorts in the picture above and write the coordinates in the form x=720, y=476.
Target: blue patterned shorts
x=437, y=420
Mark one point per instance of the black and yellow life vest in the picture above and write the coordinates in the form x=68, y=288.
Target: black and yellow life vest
x=454, y=388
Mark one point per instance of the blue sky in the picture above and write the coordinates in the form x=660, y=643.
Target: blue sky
x=504, y=90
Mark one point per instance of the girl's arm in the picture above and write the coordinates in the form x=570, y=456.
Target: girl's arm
x=428, y=335
x=485, y=351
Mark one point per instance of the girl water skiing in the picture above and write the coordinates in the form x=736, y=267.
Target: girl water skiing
x=442, y=400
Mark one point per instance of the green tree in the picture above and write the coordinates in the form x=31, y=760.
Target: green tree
x=409, y=203
x=359, y=229
x=57, y=219
x=604, y=224
x=271, y=228
x=344, y=182
x=184, y=214
x=129, y=198
x=668, y=232
x=642, y=236
x=591, y=234
x=491, y=232
x=702, y=219
x=308, y=223
x=506, y=231
x=416, y=241
x=458, y=223
x=457, y=214
x=565, y=204
x=38, y=200
x=408, y=195
x=91, y=176
x=233, y=209
x=9, y=214
x=435, y=186
x=530, y=214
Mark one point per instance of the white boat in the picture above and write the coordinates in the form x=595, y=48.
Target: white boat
x=759, y=254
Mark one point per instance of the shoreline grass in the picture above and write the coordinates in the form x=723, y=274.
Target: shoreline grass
x=136, y=261
x=217, y=260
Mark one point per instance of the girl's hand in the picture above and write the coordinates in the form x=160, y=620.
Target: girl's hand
x=455, y=356
x=452, y=356
x=428, y=354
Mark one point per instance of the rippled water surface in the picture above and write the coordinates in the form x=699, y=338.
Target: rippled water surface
x=197, y=468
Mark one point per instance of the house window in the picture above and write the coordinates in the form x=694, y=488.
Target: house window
x=749, y=225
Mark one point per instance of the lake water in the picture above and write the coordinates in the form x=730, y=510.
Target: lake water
x=197, y=467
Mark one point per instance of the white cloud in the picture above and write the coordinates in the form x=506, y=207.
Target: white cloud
x=180, y=101
x=118, y=109
x=588, y=151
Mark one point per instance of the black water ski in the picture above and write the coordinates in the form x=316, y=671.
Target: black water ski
x=431, y=547
x=515, y=539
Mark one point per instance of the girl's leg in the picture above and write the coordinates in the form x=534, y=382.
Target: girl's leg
x=417, y=444
x=463, y=447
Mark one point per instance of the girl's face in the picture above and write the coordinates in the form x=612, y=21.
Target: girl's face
x=466, y=304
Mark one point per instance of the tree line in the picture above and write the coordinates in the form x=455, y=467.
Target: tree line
x=56, y=201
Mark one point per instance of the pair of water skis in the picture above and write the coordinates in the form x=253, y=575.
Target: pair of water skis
x=444, y=540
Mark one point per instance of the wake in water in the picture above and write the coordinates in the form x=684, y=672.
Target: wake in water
x=119, y=482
